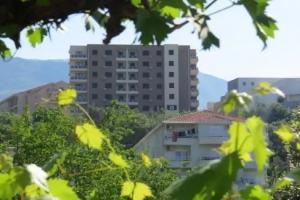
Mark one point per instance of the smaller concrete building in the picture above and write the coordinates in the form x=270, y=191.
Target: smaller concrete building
x=192, y=140
x=44, y=94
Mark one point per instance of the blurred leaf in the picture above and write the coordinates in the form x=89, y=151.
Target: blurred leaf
x=4, y=50
x=146, y=160
x=42, y=2
x=285, y=133
x=235, y=100
x=146, y=21
x=265, y=88
x=118, y=160
x=6, y=162
x=90, y=135
x=89, y=24
x=283, y=182
x=38, y=176
x=141, y=191
x=136, y=3
x=212, y=181
x=36, y=35
x=256, y=128
x=127, y=189
x=52, y=166
x=66, y=97
x=255, y=192
x=60, y=189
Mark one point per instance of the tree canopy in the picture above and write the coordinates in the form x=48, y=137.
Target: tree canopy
x=153, y=19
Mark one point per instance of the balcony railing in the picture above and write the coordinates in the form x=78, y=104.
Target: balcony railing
x=212, y=139
x=80, y=56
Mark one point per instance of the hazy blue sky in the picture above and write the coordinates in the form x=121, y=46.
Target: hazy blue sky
x=240, y=53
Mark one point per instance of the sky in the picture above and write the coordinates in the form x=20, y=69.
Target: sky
x=240, y=54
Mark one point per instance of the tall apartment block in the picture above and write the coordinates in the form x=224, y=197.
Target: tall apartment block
x=149, y=78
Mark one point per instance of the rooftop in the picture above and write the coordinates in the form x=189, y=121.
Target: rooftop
x=201, y=117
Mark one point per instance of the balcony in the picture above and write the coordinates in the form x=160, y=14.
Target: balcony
x=194, y=71
x=194, y=92
x=194, y=104
x=78, y=78
x=212, y=139
x=193, y=60
x=78, y=67
x=194, y=82
x=178, y=159
x=172, y=139
x=251, y=165
x=78, y=56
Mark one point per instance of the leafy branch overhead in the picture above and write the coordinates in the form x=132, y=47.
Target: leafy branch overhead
x=154, y=20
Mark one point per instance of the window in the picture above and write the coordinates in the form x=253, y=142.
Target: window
x=159, y=97
x=132, y=98
x=171, y=96
x=171, y=85
x=146, y=97
x=158, y=64
x=108, y=63
x=95, y=74
x=158, y=53
x=145, y=64
x=120, y=76
x=121, y=87
x=108, y=85
x=244, y=83
x=121, y=54
x=132, y=65
x=121, y=65
x=121, y=97
x=146, y=53
x=171, y=52
x=193, y=98
x=94, y=96
x=146, y=86
x=158, y=86
x=132, y=76
x=132, y=54
x=171, y=63
x=146, y=108
x=108, y=52
x=94, y=63
x=94, y=52
x=108, y=96
x=146, y=74
x=171, y=107
x=108, y=74
x=94, y=85
x=159, y=75
x=132, y=87
x=252, y=83
x=193, y=66
x=171, y=74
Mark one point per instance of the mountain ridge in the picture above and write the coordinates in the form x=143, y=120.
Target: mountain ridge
x=21, y=74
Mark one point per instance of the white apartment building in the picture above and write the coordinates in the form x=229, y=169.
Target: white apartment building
x=290, y=86
x=191, y=140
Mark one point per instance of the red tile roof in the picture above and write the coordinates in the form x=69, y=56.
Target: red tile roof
x=203, y=116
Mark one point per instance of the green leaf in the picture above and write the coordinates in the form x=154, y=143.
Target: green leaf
x=42, y=2
x=152, y=26
x=255, y=192
x=282, y=182
x=146, y=160
x=90, y=135
x=240, y=140
x=235, y=100
x=210, y=40
x=89, y=24
x=4, y=50
x=6, y=163
x=136, y=191
x=285, y=133
x=136, y=3
x=265, y=88
x=212, y=181
x=197, y=3
x=36, y=36
x=256, y=128
x=172, y=8
x=118, y=160
x=66, y=97
x=52, y=166
x=60, y=189
x=265, y=26
x=127, y=189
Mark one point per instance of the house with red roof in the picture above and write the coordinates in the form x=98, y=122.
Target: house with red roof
x=192, y=140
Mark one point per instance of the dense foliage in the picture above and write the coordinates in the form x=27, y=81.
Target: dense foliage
x=153, y=20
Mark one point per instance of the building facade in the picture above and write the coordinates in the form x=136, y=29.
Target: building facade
x=192, y=140
x=289, y=86
x=149, y=78
x=45, y=94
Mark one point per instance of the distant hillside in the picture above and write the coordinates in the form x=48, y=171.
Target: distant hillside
x=211, y=88
x=20, y=74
